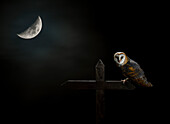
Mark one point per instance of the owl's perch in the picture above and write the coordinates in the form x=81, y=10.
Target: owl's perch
x=99, y=85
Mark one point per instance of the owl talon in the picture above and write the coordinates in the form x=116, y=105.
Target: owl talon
x=123, y=81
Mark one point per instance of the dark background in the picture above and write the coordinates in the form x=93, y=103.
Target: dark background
x=75, y=35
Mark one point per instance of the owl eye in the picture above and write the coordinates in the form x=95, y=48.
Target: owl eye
x=122, y=57
x=117, y=58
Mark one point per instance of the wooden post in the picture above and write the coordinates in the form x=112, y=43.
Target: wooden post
x=100, y=84
x=100, y=102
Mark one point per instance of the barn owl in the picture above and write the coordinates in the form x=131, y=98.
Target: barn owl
x=131, y=70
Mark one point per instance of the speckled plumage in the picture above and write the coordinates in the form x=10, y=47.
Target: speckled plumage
x=133, y=71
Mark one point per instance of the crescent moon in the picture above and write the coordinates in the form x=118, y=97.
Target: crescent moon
x=33, y=30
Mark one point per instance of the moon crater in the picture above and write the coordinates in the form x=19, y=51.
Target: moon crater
x=33, y=30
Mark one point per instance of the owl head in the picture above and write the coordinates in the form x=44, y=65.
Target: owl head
x=120, y=58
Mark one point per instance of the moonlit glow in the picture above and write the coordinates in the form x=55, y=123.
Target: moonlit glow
x=33, y=30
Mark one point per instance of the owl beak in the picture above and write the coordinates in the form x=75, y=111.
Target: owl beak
x=120, y=59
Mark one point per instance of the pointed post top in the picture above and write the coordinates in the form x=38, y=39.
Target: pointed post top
x=99, y=63
x=100, y=70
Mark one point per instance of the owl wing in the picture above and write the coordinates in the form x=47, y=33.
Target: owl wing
x=132, y=70
x=138, y=75
x=137, y=69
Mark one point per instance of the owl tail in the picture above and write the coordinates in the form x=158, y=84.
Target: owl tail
x=148, y=84
x=144, y=82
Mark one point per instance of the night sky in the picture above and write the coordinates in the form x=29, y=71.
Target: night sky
x=75, y=35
